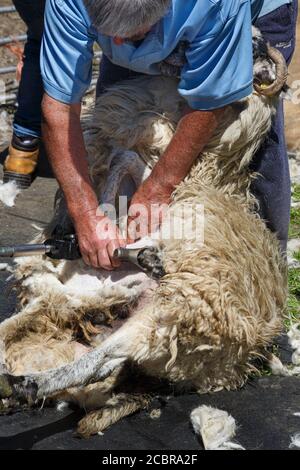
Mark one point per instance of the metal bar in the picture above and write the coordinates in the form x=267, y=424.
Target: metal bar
x=11, y=69
x=7, y=9
x=5, y=98
x=10, y=39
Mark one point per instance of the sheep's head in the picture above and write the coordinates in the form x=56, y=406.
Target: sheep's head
x=269, y=68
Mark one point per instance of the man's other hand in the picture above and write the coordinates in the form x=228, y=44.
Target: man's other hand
x=147, y=209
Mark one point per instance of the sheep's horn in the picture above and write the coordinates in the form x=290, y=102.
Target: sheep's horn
x=281, y=74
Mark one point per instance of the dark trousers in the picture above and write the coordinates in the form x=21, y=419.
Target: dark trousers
x=27, y=120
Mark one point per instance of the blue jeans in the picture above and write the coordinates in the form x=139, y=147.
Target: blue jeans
x=27, y=120
x=273, y=187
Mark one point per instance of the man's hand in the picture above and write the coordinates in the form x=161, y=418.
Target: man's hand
x=147, y=209
x=98, y=238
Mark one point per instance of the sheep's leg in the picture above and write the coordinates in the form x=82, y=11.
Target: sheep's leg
x=116, y=408
x=43, y=384
x=93, y=366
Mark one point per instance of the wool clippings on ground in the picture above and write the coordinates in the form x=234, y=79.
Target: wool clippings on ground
x=293, y=245
x=295, y=441
x=8, y=193
x=275, y=363
x=294, y=340
x=216, y=428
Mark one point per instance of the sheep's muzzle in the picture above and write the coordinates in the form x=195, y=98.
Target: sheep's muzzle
x=281, y=74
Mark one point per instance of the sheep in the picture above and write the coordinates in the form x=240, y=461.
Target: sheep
x=85, y=335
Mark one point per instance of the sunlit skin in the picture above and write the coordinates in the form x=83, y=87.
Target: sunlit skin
x=119, y=41
x=62, y=130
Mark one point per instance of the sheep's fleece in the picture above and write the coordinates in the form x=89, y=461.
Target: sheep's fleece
x=202, y=326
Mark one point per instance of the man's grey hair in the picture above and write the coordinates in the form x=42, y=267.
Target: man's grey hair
x=125, y=18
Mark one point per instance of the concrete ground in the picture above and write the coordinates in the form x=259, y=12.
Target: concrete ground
x=264, y=409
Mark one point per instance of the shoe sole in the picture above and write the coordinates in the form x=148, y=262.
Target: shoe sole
x=22, y=181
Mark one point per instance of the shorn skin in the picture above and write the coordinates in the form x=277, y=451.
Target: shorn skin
x=219, y=305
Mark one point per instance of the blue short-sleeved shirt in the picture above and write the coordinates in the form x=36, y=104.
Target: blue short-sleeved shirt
x=219, y=65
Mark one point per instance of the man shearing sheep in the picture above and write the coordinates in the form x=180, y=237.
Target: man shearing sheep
x=136, y=36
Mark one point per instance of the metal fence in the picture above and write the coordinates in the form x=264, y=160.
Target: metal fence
x=5, y=40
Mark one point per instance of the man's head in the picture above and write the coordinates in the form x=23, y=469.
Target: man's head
x=125, y=18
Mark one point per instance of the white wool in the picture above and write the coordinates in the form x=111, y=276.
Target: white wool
x=3, y=266
x=5, y=121
x=216, y=427
x=8, y=193
x=280, y=369
x=62, y=405
x=142, y=243
x=275, y=363
x=80, y=282
x=295, y=440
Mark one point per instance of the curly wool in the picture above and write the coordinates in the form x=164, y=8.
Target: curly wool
x=221, y=301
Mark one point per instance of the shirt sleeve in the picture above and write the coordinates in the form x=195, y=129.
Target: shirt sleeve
x=219, y=68
x=67, y=51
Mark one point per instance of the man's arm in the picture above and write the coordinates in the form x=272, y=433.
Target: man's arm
x=65, y=147
x=66, y=66
x=192, y=134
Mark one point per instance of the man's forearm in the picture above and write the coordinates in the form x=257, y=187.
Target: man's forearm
x=193, y=133
x=65, y=147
